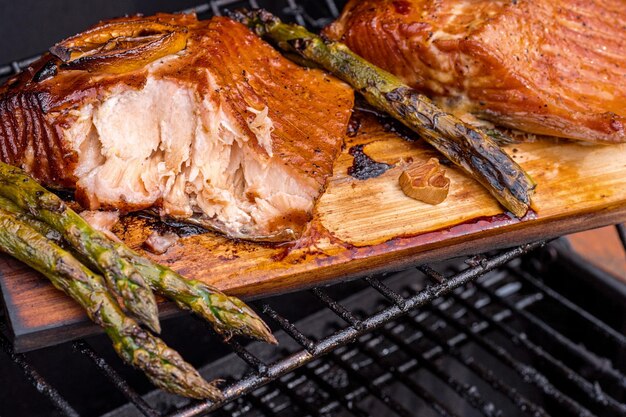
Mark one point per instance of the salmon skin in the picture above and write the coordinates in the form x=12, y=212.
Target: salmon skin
x=225, y=133
x=545, y=67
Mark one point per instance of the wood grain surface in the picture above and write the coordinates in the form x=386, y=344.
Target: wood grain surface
x=360, y=226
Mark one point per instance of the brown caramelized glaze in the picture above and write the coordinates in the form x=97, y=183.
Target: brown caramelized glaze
x=272, y=127
x=544, y=67
x=252, y=73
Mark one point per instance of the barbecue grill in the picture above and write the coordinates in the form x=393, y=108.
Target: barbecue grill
x=532, y=330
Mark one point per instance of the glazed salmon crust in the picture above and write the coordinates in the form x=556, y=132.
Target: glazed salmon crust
x=547, y=67
x=225, y=133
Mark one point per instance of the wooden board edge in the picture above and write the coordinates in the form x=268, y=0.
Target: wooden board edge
x=517, y=234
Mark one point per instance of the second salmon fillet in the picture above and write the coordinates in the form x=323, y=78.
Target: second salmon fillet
x=547, y=67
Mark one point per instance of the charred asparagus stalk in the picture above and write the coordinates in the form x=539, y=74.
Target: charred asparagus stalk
x=39, y=226
x=228, y=315
x=121, y=277
x=163, y=366
x=472, y=150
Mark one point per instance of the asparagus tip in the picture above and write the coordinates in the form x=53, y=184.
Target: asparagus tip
x=271, y=339
x=252, y=326
x=142, y=305
x=262, y=332
x=228, y=315
x=206, y=390
x=152, y=323
x=256, y=17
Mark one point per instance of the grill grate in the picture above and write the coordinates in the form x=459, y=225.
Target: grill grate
x=405, y=342
x=475, y=320
x=312, y=350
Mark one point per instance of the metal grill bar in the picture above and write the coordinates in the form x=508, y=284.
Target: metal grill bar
x=199, y=9
x=343, y=400
x=296, y=10
x=218, y=5
x=300, y=402
x=602, y=328
x=403, y=377
x=291, y=330
x=337, y=308
x=6, y=70
x=281, y=367
x=387, y=292
x=600, y=366
x=82, y=347
x=36, y=379
x=527, y=372
x=256, y=363
x=469, y=393
x=371, y=387
x=592, y=391
x=16, y=66
x=332, y=8
x=485, y=374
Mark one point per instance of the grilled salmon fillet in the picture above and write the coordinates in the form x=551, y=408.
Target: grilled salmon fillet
x=225, y=133
x=547, y=67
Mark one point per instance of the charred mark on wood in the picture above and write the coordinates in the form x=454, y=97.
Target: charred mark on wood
x=363, y=167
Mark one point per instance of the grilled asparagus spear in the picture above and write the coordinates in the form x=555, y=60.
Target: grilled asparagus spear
x=121, y=277
x=163, y=366
x=472, y=150
x=228, y=315
x=41, y=227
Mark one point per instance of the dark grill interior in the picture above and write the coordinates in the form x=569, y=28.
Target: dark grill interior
x=527, y=331
x=506, y=344
x=505, y=341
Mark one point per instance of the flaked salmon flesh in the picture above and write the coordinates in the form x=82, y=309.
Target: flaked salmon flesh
x=226, y=133
x=545, y=67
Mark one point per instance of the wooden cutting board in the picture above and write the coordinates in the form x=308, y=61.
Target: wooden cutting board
x=360, y=226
